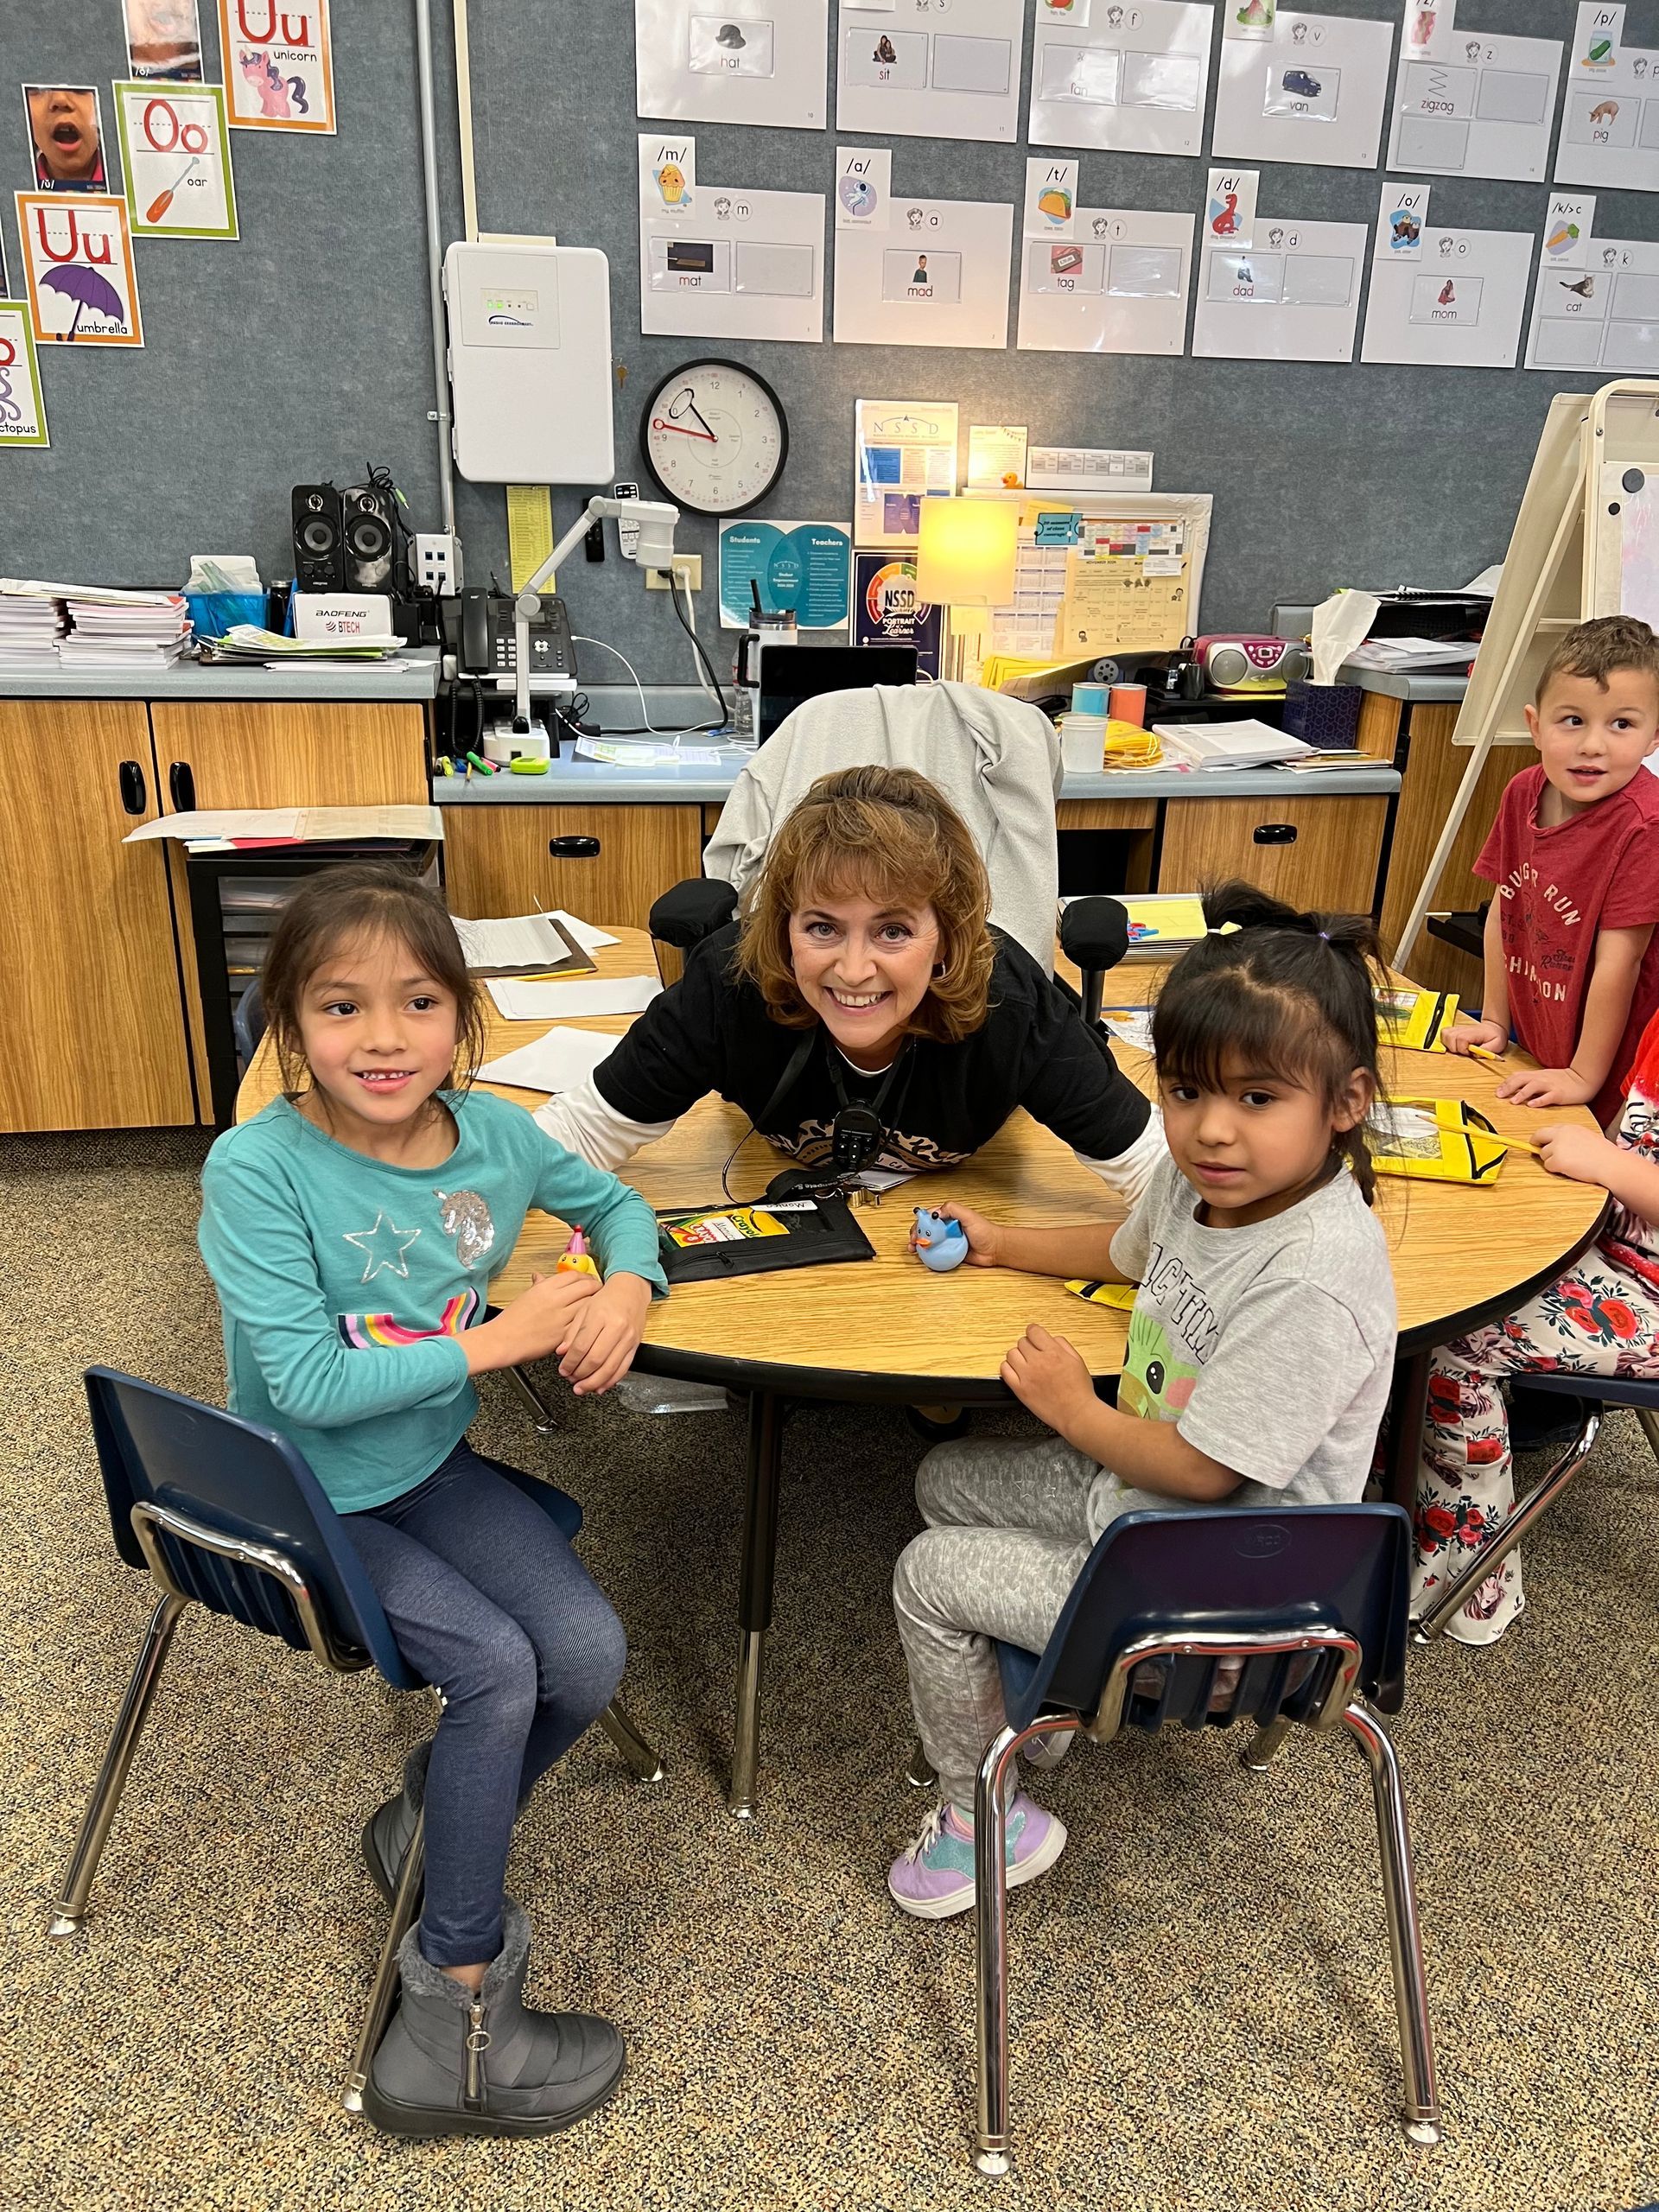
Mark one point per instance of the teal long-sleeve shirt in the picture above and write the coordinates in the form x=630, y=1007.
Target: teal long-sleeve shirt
x=345, y=1283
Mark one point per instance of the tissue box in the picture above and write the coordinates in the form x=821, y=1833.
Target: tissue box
x=213, y=613
x=1324, y=716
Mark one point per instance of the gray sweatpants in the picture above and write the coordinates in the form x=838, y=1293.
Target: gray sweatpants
x=1007, y=1535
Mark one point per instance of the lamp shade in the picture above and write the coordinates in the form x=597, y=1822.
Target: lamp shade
x=966, y=553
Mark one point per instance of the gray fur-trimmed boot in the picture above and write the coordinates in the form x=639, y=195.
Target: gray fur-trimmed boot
x=389, y=1828
x=452, y=2064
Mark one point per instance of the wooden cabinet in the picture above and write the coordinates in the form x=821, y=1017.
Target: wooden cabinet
x=1311, y=852
x=281, y=752
x=94, y=1026
x=609, y=863
x=1433, y=769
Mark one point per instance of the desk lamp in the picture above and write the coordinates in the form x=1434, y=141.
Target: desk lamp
x=964, y=563
x=528, y=740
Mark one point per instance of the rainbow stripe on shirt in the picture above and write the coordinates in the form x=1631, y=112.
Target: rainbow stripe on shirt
x=365, y=1330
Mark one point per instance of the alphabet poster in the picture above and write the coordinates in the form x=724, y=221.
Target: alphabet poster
x=175, y=156
x=22, y=413
x=66, y=137
x=278, y=64
x=78, y=258
x=164, y=39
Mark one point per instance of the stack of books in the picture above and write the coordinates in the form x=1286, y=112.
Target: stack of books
x=124, y=629
x=31, y=623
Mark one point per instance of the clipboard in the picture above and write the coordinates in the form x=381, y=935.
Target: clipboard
x=713, y=1243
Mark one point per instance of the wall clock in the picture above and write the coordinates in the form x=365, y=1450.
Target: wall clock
x=714, y=437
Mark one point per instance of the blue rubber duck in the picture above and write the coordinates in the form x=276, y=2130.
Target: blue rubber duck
x=940, y=1244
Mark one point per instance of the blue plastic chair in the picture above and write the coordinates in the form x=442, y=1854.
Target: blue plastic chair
x=1599, y=1391
x=1312, y=1601
x=227, y=1516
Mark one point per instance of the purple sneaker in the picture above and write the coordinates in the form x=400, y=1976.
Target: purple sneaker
x=934, y=1877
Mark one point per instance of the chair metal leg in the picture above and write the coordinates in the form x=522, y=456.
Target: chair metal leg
x=404, y=1907
x=1263, y=1747
x=82, y=1869
x=540, y=1412
x=1649, y=1421
x=635, y=1751
x=1422, y=2107
x=991, y=1954
x=919, y=1773
x=1503, y=1539
x=766, y=1457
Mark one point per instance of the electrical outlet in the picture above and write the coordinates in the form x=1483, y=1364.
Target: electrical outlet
x=688, y=567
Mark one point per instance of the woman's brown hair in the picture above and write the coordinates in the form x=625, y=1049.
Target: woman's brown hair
x=342, y=904
x=890, y=835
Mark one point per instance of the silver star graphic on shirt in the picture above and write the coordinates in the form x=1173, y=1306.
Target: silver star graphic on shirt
x=385, y=1245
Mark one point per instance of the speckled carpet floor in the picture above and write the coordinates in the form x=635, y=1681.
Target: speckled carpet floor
x=1202, y=2012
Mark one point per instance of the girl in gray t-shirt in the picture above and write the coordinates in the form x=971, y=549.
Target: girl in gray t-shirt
x=1260, y=1354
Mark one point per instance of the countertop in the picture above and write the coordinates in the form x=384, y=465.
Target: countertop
x=337, y=680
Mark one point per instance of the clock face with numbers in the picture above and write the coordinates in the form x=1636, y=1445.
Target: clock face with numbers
x=714, y=437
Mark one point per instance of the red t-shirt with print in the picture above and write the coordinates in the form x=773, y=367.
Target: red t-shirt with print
x=1560, y=888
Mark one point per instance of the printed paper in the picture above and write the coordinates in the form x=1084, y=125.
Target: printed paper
x=22, y=411
x=1129, y=78
x=1293, y=297
x=746, y=61
x=1248, y=19
x=1230, y=205
x=939, y=277
x=1400, y=222
x=78, y=261
x=1476, y=105
x=996, y=456
x=1120, y=286
x=164, y=40
x=720, y=261
x=801, y=568
x=863, y=188
x=1427, y=32
x=1609, y=121
x=1458, y=306
x=921, y=71
x=886, y=611
x=1051, y=209
x=1314, y=94
x=176, y=157
x=278, y=64
x=905, y=451
x=1596, y=305
x=65, y=137
x=1087, y=468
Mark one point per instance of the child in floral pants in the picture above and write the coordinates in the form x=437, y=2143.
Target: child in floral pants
x=1601, y=1317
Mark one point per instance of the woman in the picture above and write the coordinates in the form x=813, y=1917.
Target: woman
x=864, y=973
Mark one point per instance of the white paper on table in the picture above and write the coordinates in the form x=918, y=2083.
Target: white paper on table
x=938, y=277
x=586, y=935
x=904, y=452
x=1314, y=94
x=1119, y=287
x=1477, y=105
x=918, y=72
x=509, y=941
x=520, y=998
x=1459, y=306
x=1597, y=307
x=558, y=1061
x=1293, y=298
x=1129, y=79
x=743, y=61
x=743, y=264
x=1399, y=221
x=863, y=188
x=1609, y=121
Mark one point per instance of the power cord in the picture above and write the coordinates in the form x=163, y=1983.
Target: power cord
x=688, y=621
x=650, y=728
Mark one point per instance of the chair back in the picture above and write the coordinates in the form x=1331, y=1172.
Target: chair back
x=1186, y=1589
x=995, y=758
x=248, y=1024
x=287, y=1566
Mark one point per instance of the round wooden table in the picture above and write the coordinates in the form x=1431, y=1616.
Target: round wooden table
x=889, y=1330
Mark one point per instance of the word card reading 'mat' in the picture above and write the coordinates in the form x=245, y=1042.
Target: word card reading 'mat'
x=176, y=159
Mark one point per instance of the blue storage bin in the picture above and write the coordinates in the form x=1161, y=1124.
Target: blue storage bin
x=213, y=613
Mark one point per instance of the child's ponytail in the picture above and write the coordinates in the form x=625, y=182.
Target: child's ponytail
x=1281, y=990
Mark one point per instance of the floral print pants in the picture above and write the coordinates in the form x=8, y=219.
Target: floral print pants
x=1600, y=1319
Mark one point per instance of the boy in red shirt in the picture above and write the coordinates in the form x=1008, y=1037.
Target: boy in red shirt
x=1572, y=961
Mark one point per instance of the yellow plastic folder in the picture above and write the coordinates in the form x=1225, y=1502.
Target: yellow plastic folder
x=1121, y=1294
x=1442, y=1140
x=1414, y=1020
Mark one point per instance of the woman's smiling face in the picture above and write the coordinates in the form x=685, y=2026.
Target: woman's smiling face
x=863, y=967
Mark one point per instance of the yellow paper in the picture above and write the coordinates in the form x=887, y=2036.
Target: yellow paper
x=1441, y=1140
x=1115, y=605
x=530, y=533
x=1176, y=920
x=1415, y=1019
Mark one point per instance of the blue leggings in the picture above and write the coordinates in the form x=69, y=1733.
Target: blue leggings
x=489, y=1604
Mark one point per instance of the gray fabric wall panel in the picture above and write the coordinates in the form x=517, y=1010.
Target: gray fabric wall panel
x=304, y=350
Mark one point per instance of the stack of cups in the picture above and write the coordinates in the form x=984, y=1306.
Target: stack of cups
x=1083, y=732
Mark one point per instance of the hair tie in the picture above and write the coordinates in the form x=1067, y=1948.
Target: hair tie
x=1325, y=934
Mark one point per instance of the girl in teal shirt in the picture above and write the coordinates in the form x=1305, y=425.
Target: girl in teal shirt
x=351, y=1229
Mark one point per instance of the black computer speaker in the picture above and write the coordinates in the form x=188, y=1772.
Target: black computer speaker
x=370, y=536
x=318, y=542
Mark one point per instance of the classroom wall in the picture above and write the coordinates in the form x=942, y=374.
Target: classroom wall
x=304, y=350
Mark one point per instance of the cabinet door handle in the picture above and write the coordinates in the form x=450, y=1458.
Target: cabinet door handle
x=182, y=783
x=574, y=848
x=132, y=787
x=1274, y=833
